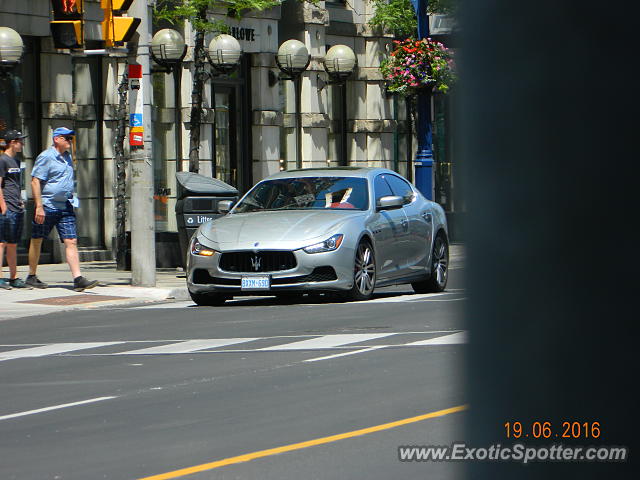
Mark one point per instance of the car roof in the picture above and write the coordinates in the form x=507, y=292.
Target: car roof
x=362, y=172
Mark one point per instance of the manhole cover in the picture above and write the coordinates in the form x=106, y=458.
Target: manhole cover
x=73, y=299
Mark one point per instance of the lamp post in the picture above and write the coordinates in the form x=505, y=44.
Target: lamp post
x=11, y=49
x=168, y=49
x=224, y=55
x=424, y=155
x=293, y=58
x=340, y=62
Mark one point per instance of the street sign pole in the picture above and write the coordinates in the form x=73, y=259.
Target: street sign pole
x=143, y=242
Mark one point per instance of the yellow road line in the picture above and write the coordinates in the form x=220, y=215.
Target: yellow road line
x=298, y=446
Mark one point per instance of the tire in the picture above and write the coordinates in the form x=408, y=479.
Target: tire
x=208, y=299
x=364, y=273
x=439, y=273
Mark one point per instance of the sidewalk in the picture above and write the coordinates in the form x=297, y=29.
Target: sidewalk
x=115, y=289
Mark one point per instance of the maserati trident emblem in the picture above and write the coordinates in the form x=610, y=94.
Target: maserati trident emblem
x=255, y=263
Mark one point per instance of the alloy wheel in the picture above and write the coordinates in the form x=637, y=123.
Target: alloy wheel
x=365, y=270
x=440, y=261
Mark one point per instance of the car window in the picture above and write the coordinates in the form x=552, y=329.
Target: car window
x=381, y=187
x=307, y=193
x=400, y=187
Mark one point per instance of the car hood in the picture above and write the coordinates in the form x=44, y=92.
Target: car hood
x=288, y=229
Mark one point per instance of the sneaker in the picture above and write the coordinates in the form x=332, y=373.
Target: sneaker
x=35, y=282
x=4, y=284
x=19, y=283
x=80, y=283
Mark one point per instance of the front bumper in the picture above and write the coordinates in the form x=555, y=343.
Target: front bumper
x=313, y=272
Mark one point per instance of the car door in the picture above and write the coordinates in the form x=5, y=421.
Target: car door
x=418, y=244
x=390, y=229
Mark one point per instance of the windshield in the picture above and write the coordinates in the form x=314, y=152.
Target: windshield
x=307, y=193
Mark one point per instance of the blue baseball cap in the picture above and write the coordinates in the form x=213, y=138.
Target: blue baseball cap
x=61, y=131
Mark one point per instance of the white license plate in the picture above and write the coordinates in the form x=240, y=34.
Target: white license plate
x=255, y=283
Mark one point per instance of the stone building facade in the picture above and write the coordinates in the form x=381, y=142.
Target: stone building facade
x=249, y=127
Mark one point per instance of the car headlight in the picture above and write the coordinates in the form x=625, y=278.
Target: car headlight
x=198, y=249
x=328, y=245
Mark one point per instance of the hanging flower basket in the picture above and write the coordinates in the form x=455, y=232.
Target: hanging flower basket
x=418, y=64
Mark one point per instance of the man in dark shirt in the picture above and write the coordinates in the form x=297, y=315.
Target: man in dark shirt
x=11, y=207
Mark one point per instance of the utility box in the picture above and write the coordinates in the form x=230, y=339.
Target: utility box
x=197, y=203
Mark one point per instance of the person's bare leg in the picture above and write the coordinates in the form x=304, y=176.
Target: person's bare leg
x=12, y=260
x=35, y=246
x=2, y=244
x=73, y=259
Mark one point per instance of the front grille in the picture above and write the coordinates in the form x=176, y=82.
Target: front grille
x=319, y=274
x=202, y=277
x=261, y=261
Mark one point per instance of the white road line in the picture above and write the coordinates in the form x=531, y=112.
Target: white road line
x=188, y=346
x=345, y=354
x=54, y=407
x=405, y=298
x=456, y=338
x=327, y=341
x=51, y=350
x=166, y=305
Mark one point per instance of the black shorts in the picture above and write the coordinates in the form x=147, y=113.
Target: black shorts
x=11, y=226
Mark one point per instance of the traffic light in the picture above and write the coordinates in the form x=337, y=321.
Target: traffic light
x=117, y=29
x=67, y=24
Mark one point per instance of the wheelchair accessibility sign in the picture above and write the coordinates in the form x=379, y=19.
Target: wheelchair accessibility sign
x=135, y=120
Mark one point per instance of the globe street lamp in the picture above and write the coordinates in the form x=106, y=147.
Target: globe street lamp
x=11, y=49
x=340, y=62
x=293, y=58
x=224, y=53
x=168, y=49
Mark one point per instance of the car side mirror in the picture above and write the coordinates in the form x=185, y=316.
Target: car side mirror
x=224, y=206
x=390, y=202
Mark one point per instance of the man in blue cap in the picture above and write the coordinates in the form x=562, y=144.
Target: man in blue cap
x=52, y=185
x=11, y=207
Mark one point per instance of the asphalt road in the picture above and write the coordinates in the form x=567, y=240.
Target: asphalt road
x=135, y=393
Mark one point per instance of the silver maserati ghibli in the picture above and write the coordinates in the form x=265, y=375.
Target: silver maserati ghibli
x=341, y=230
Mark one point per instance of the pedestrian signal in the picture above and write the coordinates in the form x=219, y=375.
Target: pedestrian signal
x=67, y=24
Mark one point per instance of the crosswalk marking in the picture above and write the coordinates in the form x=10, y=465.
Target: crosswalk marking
x=455, y=338
x=350, y=342
x=51, y=350
x=344, y=354
x=188, y=346
x=327, y=341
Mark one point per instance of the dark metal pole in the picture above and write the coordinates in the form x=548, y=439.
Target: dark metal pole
x=177, y=93
x=214, y=146
x=343, y=130
x=297, y=82
x=424, y=155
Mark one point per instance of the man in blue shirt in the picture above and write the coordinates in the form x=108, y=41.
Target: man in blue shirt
x=52, y=185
